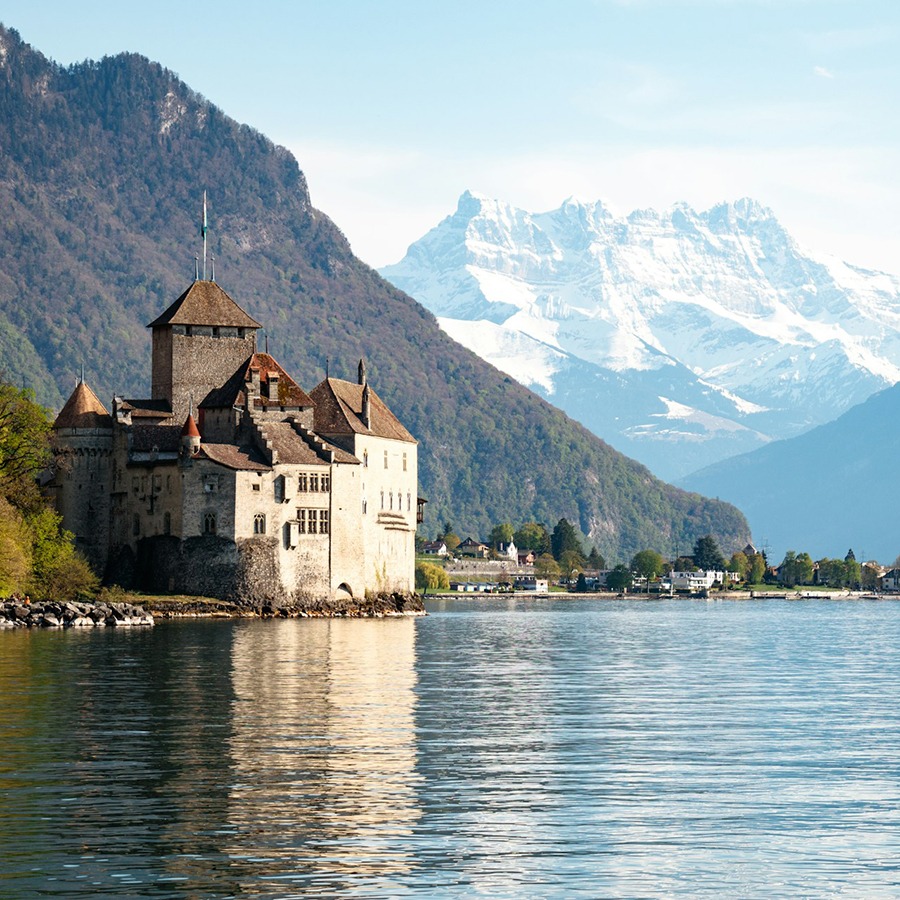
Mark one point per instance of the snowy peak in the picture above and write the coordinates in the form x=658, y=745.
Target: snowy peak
x=764, y=335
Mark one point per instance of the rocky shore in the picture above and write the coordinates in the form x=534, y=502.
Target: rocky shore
x=379, y=606
x=15, y=613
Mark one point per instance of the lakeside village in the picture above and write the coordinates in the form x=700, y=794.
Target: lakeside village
x=534, y=560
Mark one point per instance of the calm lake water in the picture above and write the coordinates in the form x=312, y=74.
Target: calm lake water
x=494, y=748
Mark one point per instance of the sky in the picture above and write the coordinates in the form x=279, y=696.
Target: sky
x=394, y=108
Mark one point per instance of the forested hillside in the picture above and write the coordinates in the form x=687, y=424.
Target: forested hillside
x=102, y=166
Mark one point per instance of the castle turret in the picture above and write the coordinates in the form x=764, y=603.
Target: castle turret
x=198, y=343
x=83, y=475
x=190, y=438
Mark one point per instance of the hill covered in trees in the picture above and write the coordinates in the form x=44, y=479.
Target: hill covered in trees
x=102, y=165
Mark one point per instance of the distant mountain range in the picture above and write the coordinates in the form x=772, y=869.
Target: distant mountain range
x=817, y=492
x=680, y=337
x=102, y=165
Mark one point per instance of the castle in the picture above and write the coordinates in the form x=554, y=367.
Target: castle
x=261, y=493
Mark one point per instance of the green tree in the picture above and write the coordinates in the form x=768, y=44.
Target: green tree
x=450, y=539
x=533, y=536
x=619, y=579
x=430, y=577
x=740, y=564
x=546, y=566
x=15, y=550
x=24, y=444
x=707, y=556
x=595, y=559
x=757, y=568
x=684, y=564
x=500, y=534
x=571, y=562
x=581, y=584
x=795, y=569
x=564, y=538
x=648, y=564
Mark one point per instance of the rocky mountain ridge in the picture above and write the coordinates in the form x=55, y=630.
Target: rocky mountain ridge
x=681, y=337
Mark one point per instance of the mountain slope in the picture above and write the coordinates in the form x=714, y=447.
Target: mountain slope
x=101, y=171
x=696, y=335
x=824, y=490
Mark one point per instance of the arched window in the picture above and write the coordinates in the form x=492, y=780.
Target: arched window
x=259, y=524
x=209, y=523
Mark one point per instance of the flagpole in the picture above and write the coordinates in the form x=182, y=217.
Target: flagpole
x=203, y=232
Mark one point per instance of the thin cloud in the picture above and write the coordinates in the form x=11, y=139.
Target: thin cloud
x=822, y=72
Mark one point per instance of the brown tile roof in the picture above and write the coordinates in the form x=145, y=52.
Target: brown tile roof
x=294, y=450
x=190, y=428
x=83, y=410
x=233, y=457
x=151, y=409
x=205, y=303
x=233, y=392
x=339, y=411
x=164, y=438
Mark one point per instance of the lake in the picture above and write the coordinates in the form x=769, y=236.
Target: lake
x=501, y=748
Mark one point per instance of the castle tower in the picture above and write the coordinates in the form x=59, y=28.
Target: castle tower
x=82, y=482
x=198, y=343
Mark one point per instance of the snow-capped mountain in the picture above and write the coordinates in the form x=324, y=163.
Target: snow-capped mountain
x=681, y=337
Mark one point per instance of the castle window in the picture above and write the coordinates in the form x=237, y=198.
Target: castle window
x=301, y=521
x=209, y=523
x=215, y=331
x=303, y=483
x=313, y=518
x=326, y=484
x=385, y=459
x=408, y=501
x=135, y=484
x=323, y=521
x=167, y=523
x=279, y=488
x=391, y=500
x=404, y=462
x=259, y=524
x=255, y=486
x=314, y=482
x=241, y=333
x=211, y=484
x=364, y=506
x=382, y=499
x=187, y=330
x=365, y=459
x=136, y=525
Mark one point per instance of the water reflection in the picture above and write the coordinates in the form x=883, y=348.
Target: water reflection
x=323, y=754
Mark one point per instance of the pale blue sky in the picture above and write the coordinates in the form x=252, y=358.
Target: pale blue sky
x=393, y=108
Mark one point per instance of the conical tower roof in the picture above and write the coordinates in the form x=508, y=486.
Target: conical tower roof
x=190, y=428
x=83, y=410
x=205, y=303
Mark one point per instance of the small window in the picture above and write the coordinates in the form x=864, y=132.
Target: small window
x=323, y=521
x=404, y=462
x=259, y=524
x=215, y=331
x=385, y=459
x=209, y=523
x=303, y=483
x=364, y=506
x=382, y=499
x=136, y=525
x=314, y=482
x=326, y=484
x=365, y=459
x=408, y=502
x=255, y=486
x=135, y=484
x=301, y=521
x=391, y=500
x=167, y=523
x=313, y=518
